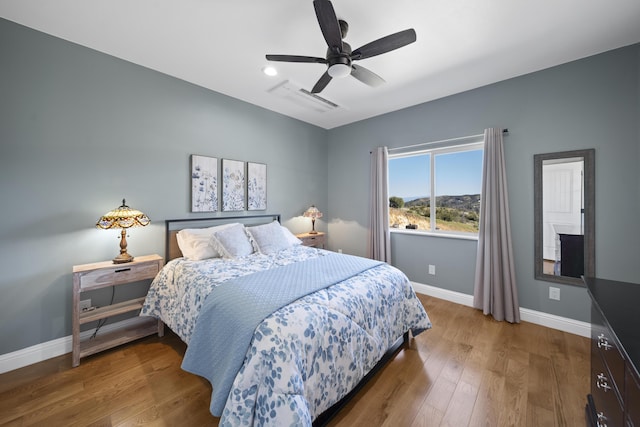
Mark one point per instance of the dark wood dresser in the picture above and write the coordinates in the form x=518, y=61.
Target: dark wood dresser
x=615, y=354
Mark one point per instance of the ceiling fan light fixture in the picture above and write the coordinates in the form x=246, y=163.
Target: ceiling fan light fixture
x=339, y=55
x=339, y=70
x=270, y=71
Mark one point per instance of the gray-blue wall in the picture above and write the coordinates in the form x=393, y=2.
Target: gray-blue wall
x=590, y=103
x=79, y=131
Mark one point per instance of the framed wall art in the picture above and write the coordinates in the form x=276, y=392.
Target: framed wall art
x=233, y=178
x=256, y=186
x=204, y=184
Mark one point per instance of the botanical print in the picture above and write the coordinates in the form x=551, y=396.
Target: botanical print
x=232, y=185
x=204, y=184
x=256, y=186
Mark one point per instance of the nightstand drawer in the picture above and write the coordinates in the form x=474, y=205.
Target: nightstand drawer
x=313, y=241
x=118, y=274
x=316, y=240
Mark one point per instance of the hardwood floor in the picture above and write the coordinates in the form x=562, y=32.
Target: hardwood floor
x=469, y=370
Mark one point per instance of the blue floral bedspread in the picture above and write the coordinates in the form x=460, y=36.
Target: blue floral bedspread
x=306, y=356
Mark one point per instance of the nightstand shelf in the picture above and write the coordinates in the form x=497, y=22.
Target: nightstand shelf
x=111, y=310
x=90, y=277
x=137, y=328
x=315, y=240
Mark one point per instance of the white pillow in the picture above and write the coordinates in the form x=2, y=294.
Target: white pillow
x=269, y=238
x=291, y=238
x=195, y=243
x=232, y=242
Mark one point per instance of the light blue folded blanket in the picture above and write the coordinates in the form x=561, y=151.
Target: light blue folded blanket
x=233, y=310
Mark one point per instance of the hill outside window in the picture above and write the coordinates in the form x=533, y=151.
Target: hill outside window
x=436, y=190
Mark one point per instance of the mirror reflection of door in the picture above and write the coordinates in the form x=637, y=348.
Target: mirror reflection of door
x=563, y=216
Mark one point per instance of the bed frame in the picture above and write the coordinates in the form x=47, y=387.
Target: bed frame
x=172, y=226
x=172, y=251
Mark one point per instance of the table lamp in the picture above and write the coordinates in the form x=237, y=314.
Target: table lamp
x=313, y=213
x=123, y=217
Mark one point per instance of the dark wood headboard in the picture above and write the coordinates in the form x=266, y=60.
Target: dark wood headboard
x=172, y=226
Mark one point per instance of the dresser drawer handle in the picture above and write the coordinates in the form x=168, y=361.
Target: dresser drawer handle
x=603, y=382
x=602, y=420
x=603, y=342
x=122, y=270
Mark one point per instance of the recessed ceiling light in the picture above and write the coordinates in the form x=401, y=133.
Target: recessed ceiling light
x=270, y=71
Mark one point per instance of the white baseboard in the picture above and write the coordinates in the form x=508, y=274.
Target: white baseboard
x=565, y=324
x=39, y=352
x=50, y=349
x=445, y=294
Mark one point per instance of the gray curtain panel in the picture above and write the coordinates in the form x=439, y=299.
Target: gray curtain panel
x=495, y=289
x=379, y=246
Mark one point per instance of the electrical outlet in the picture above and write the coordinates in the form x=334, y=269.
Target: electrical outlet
x=85, y=304
x=432, y=269
x=554, y=293
x=339, y=251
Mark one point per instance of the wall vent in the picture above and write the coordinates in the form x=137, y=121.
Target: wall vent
x=302, y=97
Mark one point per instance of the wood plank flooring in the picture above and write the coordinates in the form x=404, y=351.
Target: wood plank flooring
x=469, y=370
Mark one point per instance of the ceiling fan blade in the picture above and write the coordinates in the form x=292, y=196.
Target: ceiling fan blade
x=296, y=58
x=365, y=76
x=328, y=24
x=322, y=83
x=385, y=44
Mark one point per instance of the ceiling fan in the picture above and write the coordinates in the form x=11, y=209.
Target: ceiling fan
x=340, y=57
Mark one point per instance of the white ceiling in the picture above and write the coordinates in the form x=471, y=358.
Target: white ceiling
x=220, y=44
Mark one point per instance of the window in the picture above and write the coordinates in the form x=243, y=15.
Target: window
x=452, y=174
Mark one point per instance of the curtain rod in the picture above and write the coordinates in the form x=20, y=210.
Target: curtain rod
x=461, y=138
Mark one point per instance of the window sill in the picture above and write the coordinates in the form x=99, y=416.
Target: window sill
x=430, y=234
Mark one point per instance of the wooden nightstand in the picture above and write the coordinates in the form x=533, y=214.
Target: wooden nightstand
x=314, y=240
x=89, y=277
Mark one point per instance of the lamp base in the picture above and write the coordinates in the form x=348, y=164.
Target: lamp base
x=122, y=258
x=313, y=232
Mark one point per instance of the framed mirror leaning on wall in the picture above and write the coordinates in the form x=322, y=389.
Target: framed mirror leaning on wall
x=564, y=223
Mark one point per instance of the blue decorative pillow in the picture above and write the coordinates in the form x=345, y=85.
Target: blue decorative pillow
x=232, y=242
x=269, y=238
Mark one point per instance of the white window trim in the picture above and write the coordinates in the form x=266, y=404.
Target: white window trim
x=444, y=234
x=470, y=146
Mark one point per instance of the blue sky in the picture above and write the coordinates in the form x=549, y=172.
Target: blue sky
x=456, y=174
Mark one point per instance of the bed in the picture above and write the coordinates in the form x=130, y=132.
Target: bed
x=284, y=333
